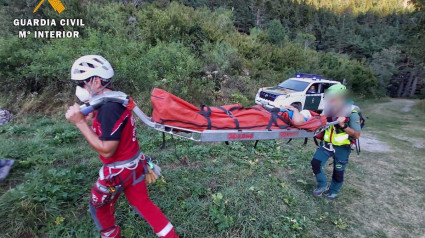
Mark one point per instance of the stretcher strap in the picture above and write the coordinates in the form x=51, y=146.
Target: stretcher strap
x=273, y=120
x=229, y=113
x=206, y=114
x=288, y=123
x=206, y=111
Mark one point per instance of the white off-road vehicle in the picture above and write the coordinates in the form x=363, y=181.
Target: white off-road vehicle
x=304, y=91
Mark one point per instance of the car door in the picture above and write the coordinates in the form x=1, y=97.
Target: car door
x=323, y=87
x=313, y=97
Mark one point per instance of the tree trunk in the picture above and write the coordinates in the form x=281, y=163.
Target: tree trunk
x=400, y=89
x=339, y=45
x=408, y=85
x=258, y=18
x=414, y=84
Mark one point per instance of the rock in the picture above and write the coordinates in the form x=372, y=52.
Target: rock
x=5, y=116
x=131, y=20
x=5, y=166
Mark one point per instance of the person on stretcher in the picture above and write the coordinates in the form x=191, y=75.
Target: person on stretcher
x=229, y=117
x=298, y=117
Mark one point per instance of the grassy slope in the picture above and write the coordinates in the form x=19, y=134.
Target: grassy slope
x=392, y=200
x=219, y=191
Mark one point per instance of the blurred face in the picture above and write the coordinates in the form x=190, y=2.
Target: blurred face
x=313, y=87
x=334, y=105
x=335, y=101
x=86, y=89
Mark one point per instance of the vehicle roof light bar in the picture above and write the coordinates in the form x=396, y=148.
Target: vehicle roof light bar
x=312, y=76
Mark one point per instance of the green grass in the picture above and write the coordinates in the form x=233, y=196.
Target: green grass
x=220, y=191
x=420, y=106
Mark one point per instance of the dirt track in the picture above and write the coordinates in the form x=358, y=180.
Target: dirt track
x=389, y=176
x=371, y=143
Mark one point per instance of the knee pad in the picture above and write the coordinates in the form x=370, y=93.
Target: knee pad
x=99, y=198
x=93, y=214
x=315, y=165
x=338, y=176
x=112, y=232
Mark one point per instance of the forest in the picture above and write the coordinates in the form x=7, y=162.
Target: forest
x=232, y=47
x=384, y=35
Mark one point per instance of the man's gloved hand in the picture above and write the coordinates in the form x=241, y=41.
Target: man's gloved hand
x=150, y=177
x=341, y=121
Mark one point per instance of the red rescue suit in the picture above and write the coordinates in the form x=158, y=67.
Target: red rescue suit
x=122, y=173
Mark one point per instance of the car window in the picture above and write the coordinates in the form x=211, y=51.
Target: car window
x=326, y=86
x=295, y=85
x=313, y=89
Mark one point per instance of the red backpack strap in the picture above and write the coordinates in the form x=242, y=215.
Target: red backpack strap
x=131, y=104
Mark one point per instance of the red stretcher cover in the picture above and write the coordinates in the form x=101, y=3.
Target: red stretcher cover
x=169, y=109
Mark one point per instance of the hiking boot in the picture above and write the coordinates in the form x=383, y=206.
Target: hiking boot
x=319, y=191
x=330, y=196
x=5, y=166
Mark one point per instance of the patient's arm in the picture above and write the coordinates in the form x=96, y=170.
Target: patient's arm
x=297, y=118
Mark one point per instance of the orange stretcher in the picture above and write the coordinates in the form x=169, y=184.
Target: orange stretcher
x=177, y=117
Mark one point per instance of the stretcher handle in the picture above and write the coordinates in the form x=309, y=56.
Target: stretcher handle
x=328, y=124
x=85, y=110
x=333, y=123
x=96, y=101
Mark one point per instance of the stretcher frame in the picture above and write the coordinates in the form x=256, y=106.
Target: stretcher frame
x=206, y=135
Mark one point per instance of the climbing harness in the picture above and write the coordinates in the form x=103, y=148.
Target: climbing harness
x=130, y=164
x=328, y=146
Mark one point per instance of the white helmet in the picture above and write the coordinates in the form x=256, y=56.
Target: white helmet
x=91, y=65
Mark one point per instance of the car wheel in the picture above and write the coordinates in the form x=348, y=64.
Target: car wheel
x=297, y=105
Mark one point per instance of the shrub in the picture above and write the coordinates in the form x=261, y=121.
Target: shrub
x=276, y=32
x=168, y=47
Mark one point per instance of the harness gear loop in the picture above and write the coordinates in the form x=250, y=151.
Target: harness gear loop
x=328, y=146
x=130, y=164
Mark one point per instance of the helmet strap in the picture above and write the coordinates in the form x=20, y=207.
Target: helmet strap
x=93, y=92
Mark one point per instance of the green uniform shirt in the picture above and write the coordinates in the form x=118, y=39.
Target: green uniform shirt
x=355, y=121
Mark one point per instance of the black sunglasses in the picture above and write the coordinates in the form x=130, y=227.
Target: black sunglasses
x=82, y=83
